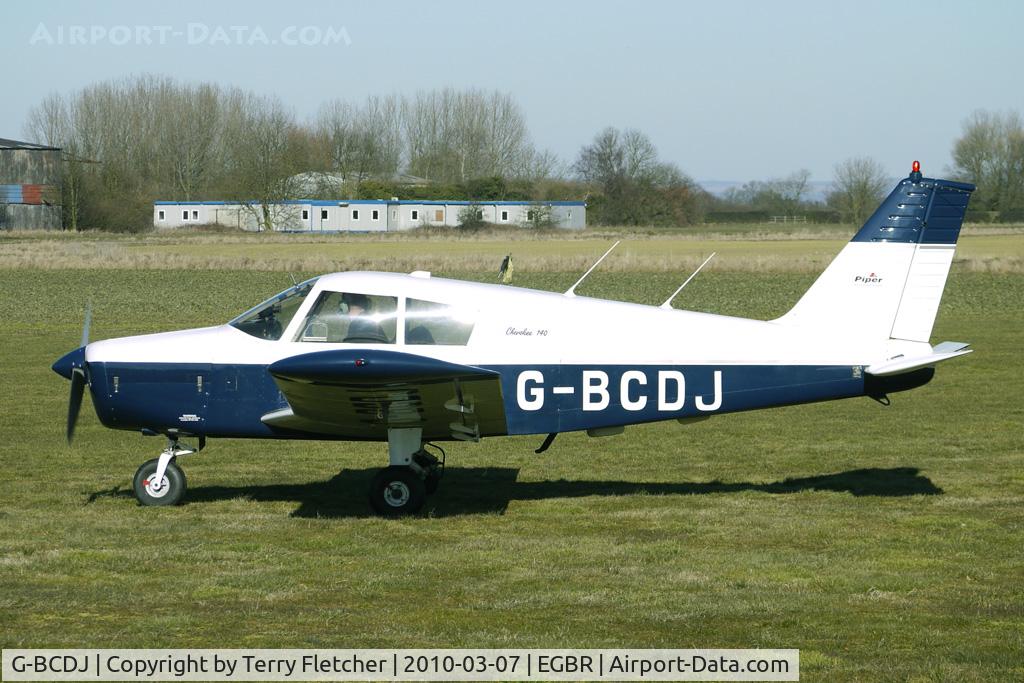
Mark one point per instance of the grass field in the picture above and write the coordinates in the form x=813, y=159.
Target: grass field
x=885, y=543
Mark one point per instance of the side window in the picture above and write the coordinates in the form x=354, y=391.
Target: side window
x=428, y=322
x=415, y=215
x=439, y=215
x=351, y=318
x=305, y=214
x=355, y=214
x=323, y=214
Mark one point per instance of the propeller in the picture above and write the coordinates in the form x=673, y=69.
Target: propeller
x=75, y=400
x=78, y=380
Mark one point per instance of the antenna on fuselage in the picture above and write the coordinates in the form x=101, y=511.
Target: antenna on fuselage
x=668, y=302
x=572, y=290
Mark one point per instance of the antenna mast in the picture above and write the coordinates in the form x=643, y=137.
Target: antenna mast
x=668, y=302
x=572, y=290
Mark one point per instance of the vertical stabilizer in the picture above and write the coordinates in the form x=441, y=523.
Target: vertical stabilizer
x=888, y=281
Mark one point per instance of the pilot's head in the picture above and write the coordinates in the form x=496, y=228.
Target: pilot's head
x=354, y=304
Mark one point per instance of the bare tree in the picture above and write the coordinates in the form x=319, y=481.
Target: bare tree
x=990, y=153
x=857, y=188
x=265, y=154
x=454, y=136
x=362, y=141
x=634, y=186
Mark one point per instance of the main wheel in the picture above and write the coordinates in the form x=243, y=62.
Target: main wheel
x=432, y=481
x=168, y=491
x=397, y=491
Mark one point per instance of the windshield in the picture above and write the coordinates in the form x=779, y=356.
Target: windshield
x=270, y=318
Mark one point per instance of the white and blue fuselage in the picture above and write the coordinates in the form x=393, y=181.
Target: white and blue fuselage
x=565, y=363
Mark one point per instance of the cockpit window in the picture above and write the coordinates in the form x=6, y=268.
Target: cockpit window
x=270, y=318
x=428, y=322
x=351, y=318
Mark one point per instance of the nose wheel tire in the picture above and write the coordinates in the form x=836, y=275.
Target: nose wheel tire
x=397, y=491
x=168, y=491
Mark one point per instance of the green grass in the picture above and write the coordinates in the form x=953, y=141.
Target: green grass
x=885, y=543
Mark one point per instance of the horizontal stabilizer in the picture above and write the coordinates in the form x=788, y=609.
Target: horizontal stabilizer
x=902, y=364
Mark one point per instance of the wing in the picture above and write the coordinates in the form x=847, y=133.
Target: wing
x=360, y=394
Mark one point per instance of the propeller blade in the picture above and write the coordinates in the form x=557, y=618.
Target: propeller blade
x=75, y=400
x=86, y=324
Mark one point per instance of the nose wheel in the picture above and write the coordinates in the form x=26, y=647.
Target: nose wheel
x=160, y=481
x=166, y=489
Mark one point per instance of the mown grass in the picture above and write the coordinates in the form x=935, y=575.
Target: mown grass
x=885, y=543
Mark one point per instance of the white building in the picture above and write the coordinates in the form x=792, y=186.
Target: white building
x=363, y=215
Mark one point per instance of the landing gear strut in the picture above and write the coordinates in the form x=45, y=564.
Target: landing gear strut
x=414, y=473
x=160, y=481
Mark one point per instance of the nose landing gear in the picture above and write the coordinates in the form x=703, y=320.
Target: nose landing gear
x=160, y=481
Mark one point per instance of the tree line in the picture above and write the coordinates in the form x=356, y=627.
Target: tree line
x=128, y=142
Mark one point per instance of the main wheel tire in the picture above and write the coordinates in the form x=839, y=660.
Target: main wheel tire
x=168, y=491
x=432, y=481
x=397, y=491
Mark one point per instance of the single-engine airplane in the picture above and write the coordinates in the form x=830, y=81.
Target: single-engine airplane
x=414, y=359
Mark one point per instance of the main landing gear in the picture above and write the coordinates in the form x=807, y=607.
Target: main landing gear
x=160, y=481
x=414, y=473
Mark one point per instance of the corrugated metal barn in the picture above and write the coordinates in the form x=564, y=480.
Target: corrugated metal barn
x=366, y=215
x=30, y=186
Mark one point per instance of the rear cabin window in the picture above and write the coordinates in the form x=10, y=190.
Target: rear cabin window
x=351, y=318
x=429, y=322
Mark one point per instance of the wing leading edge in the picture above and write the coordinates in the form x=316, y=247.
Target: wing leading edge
x=360, y=394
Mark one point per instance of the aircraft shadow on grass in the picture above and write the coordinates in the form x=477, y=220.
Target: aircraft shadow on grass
x=489, y=490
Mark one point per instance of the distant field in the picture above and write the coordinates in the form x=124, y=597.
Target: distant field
x=985, y=249
x=885, y=543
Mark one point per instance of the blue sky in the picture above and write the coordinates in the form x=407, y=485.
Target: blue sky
x=727, y=90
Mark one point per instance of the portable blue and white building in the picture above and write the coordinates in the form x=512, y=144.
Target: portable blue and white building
x=363, y=215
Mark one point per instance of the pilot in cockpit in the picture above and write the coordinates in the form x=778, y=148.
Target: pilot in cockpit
x=362, y=328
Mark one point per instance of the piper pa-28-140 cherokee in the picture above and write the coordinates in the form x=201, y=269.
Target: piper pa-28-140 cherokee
x=413, y=359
